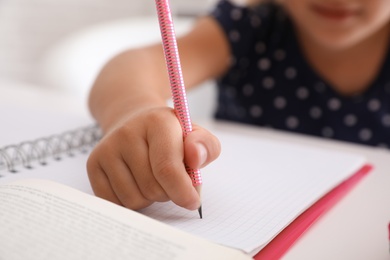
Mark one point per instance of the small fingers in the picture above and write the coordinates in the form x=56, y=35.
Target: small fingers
x=100, y=183
x=113, y=180
x=139, y=164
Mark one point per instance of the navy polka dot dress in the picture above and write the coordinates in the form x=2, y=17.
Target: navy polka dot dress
x=270, y=83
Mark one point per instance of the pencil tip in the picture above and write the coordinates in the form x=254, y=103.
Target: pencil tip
x=200, y=212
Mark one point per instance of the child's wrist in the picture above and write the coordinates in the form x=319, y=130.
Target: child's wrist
x=119, y=114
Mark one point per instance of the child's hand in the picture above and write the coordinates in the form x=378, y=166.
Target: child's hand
x=141, y=161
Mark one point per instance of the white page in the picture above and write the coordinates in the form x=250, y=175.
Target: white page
x=256, y=188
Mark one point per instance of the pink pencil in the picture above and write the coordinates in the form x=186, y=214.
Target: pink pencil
x=178, y=90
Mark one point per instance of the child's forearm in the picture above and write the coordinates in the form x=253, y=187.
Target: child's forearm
x=132, y=81
x=138, y=79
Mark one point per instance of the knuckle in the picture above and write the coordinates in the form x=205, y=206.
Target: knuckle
x=124, y=132
x=166, y=170
x=159, y=114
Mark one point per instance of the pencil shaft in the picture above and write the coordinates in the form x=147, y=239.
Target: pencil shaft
x=178, y=90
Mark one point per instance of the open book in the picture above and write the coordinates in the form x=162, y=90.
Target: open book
x=47, y=220
x=253, y=192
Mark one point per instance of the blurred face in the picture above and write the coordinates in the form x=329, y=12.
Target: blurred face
x=338, y=24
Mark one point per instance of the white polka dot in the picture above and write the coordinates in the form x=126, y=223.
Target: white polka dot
x=280, y=102
x=302, y=93
x=256, y=111
x=280, y=55
x=248, y=90
x=264, y=64
x=334, y=104
x=292, y=122
x=365, y=134
x=374, y=105
x=291, y=73
x=320, y=87
x=236, y=14
x=260, y=47
x=315, y=112
x=350, y=120
x=386, y=120
x=234, y=36
x=268, y=82
x=327, y=132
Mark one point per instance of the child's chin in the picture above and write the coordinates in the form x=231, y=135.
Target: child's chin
x=338, y=42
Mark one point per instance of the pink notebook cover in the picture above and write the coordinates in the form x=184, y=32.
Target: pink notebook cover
x=282, y=242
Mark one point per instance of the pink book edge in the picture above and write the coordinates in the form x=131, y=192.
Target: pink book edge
x=284, y=240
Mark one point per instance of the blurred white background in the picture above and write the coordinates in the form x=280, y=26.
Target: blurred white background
x=63, y=44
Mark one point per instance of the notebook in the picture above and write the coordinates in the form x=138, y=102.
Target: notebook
x=256, y=189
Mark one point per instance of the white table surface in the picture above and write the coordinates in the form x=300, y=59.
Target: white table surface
x=356, y=228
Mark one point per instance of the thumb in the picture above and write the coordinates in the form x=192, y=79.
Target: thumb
x=200, y=148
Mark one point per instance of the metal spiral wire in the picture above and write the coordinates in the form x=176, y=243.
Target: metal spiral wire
x=39, y=151
x=175, y=75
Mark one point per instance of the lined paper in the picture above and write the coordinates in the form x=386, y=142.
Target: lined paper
x=256, y=188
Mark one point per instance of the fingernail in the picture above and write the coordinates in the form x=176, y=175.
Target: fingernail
x=202, y=153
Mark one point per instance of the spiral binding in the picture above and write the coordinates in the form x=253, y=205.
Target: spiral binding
x=41, y=150
x=172, y=59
